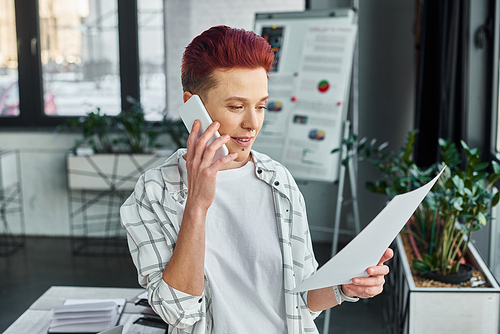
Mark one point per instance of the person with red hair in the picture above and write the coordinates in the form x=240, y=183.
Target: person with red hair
x=219, y=245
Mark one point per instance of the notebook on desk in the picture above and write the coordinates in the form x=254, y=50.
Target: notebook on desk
x=86, y=315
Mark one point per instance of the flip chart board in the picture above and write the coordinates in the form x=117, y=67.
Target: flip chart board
x=308, y=89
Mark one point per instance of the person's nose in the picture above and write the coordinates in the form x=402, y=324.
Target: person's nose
x=251, y=121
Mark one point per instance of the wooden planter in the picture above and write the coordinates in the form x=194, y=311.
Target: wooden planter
x=418, y=310
x=109, y=171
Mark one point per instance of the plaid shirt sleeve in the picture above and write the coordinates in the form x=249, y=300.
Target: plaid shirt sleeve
x=151, y=218
x=304, y=261
x=310, y=264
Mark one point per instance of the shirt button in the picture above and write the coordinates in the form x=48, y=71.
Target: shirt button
x=200, y=300
x=276, y=183
x=259, y=171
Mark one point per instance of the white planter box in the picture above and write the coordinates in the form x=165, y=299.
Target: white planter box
x=9, y=169
x=109, y=171
x=444, y=310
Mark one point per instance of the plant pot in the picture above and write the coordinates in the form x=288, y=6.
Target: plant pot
x=464, y=274
x=119, y=171
x=98, y=185
x=9, y=168
x=424, y=310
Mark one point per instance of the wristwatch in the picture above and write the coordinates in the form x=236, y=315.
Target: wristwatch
x=340, y=295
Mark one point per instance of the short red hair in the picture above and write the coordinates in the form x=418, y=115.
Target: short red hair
x=222, y=47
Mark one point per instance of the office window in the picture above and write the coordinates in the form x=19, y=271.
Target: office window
x=495, y=82
x=9, y=89
x=152, y=58
x=79, y=56
x=497, y=111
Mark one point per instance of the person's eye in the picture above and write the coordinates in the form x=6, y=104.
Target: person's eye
x=262, y=108
x=236, y=108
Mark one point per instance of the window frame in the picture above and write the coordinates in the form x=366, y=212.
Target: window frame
x=31, y=103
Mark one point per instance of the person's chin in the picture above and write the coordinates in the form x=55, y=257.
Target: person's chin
x=242, y=155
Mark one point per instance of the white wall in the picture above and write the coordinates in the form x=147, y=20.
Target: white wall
x=386, y=83
x=386, y=99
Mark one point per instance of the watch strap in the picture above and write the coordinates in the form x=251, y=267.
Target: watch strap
x=346, y=298
x=338, y=296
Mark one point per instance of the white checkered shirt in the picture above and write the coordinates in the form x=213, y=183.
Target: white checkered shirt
x=152, y=216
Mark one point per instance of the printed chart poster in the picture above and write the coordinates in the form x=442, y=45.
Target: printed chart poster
x=315, y=125
x=271, y=139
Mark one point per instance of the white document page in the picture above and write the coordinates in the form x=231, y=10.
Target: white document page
x=369, y=245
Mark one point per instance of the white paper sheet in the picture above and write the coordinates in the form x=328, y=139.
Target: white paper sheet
x=369, y=245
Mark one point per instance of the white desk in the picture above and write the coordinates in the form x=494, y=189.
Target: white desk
x=36, y=319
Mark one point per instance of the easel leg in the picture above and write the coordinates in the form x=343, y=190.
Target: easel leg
x=338, y=209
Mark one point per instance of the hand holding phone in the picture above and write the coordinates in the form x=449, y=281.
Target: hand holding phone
x=193, y=109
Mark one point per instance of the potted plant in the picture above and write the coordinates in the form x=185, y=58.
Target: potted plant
x=96, y=129
x=137, y=135
x=439, y=233
x=115, y=150
x=103, y=168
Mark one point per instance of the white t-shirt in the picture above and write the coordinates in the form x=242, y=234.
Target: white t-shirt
x=243, y=260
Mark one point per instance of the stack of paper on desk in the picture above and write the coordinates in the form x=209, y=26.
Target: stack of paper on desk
x=86, y=315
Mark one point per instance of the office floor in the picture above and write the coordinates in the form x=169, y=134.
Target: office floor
x=45, y=262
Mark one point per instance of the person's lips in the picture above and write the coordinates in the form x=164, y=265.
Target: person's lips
x=242, y=141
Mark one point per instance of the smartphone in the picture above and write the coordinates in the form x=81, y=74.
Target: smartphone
x=193, y=109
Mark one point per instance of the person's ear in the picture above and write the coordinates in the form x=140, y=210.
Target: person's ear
x=186, y=96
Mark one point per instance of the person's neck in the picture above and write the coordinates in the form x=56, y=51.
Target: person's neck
x=237, y=164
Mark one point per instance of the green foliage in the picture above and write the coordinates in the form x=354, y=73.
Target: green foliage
x=96, y=129
x=457, y=205
x=176, y=130
x=138, y=135
x=428, y=262
x=126, y=132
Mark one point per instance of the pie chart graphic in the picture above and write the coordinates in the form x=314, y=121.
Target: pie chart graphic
x=323, y=86
x=274, y=106
x=317, y=134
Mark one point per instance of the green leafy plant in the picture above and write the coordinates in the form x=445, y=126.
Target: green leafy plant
x=176, y=130
x=96, y=131
x=137, y=134
x=458, y=204
x=126, y=132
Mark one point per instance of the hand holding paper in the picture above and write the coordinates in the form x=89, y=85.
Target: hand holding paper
x=367, y=248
